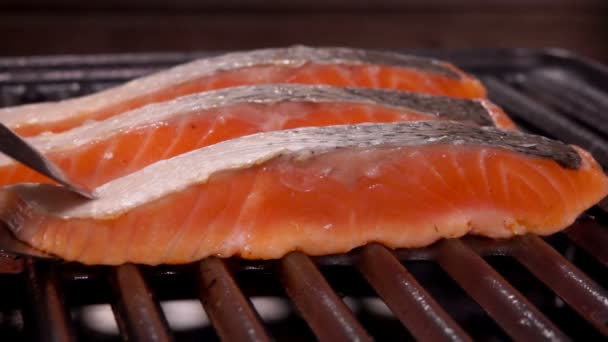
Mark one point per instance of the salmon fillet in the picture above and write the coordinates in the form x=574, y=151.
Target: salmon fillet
x=320, y=190
x=96, y=153
x=331, y=66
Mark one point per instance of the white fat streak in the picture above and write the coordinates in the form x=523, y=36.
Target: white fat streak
x=45, y=113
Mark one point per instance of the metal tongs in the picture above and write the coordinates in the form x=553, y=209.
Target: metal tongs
x=15, y=147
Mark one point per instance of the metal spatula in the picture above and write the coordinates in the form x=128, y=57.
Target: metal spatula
x=15, y=147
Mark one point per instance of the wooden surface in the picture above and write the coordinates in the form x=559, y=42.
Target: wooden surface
x=34, y=27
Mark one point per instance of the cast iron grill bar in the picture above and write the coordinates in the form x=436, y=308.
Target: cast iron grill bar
x=592, y=237
x=326, y=314
x=574, y=98
x=406, y=298
x=585, y=296
x=547, y=121
x=51, y=319
x=230, y=312
x=518, y=317
x=138, y=313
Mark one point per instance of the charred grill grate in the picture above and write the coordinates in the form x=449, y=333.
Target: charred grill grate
x=527, y=288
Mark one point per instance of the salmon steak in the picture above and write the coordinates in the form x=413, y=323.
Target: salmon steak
x=319, y=190
x=299, y=64
x=96, y=153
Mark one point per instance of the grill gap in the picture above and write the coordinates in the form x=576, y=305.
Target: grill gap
x=373, y=313
x=591, y=237
x=262, y=284
x=324, y=311
x=455, y=301
x=405, y=297
x=230, y=312
x=559, y=312
x=578, y=256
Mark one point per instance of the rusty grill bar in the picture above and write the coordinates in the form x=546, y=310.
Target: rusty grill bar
x=551, y=93
x=408, y=300
x=229, y=310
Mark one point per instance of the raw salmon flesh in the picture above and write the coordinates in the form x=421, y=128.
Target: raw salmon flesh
x=299, y=64
x=256, y=154
x=98, y=152
x=319, y=190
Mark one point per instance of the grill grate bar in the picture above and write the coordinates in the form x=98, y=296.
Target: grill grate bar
x=547, y=121
x=137, y=312
x=518, y=317
x=406, y=298
x=585, y=296
x=592, y=237
x=326, y=314
x=50, y=317
x=573, y=97
x=230, y=312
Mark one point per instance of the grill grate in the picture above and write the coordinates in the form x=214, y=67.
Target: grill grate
x=526, y=288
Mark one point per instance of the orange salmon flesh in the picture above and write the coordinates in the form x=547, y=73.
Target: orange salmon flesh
x=338, y=75
x=110, y=157
x=330, y=203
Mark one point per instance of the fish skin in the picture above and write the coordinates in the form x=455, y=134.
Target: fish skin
x=319, y=190
x=339, y=66
x=95, y=153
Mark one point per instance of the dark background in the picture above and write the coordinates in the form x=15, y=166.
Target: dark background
x=34, y=27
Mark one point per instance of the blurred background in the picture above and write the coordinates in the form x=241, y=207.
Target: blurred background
x=35, y=27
